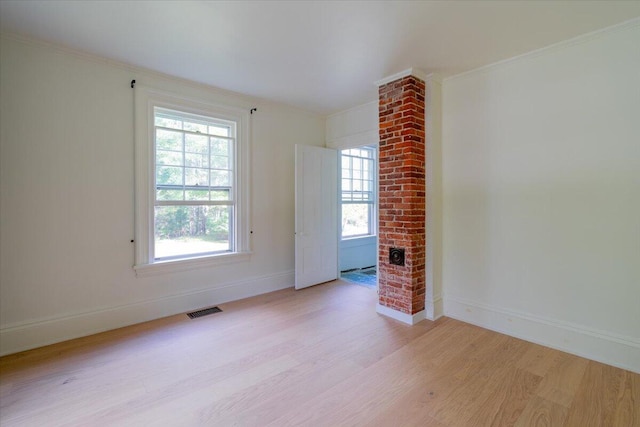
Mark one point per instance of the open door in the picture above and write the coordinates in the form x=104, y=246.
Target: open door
x=316, y=198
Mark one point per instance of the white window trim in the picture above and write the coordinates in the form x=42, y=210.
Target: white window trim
x=145, y=101
x=373, y=215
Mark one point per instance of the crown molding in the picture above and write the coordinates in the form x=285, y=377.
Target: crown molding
x=415, y=72
x=583, y=38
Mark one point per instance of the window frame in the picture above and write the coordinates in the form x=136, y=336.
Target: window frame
x=372, y=202
x=146, y=101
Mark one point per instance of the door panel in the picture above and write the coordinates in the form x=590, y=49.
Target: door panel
x=316, y=194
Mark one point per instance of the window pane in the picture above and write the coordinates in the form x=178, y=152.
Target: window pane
x=355, y=219
x=193, y=176
x=220, y=178
x=220, y=130
x=192, y=230
x=196, y=144
x=196, y=160
x=219, y=147
x=168, y=175
x=167, y=122
x=169, y=195
x=172, y=158
x=220, y=162
x=168, y=140
x=221, y=195
x=195, y=127
x=196, y=194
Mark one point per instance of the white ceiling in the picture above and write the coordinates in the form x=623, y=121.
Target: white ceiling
x=323, y=56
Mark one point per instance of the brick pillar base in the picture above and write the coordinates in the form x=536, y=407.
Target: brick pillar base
x=402, y=210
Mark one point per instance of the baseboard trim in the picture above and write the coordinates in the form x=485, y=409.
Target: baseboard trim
x=400, y=316
x=622, y=352
x=16, y=338
x=434, y=308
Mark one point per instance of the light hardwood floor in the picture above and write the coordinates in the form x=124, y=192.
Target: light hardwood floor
x=317, y=357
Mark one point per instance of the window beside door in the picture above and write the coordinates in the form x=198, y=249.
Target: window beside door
x=358, y=192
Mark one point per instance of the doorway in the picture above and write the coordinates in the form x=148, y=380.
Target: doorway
x=358, y=245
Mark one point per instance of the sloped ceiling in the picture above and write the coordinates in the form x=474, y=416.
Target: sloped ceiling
x=317, y=55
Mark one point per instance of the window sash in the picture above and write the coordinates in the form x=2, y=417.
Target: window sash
x=370, y=222
x=230, y=240
x=180, y=162
x=205, y=121
x=358, y=179
x=358, y=184
x=194, y=106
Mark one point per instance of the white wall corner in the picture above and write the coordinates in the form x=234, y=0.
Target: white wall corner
x=409, y=319
x=433, y=255
x=433, y=78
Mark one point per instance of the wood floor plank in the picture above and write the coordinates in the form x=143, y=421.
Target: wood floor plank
x=563, y=380
x=539, y=360
x=540, y=412
x=505, y=405
x=317, y=357
x=596, y=399
x=627, y=413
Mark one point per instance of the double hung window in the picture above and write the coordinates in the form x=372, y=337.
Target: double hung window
x=192, y=181
x=194, y=184
x=358, y=191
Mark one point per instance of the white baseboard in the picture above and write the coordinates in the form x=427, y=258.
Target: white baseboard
x=434, y=308
x=622, y=352
x=409, y=319
x=43, y=332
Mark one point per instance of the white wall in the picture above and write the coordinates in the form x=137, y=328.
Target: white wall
x=541, y=180
x=354, y=127
x=66, y=204
x=359, y=252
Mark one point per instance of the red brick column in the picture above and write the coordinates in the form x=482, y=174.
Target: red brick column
x=402, y=211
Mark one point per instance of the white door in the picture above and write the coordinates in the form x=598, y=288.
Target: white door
x=316, y=215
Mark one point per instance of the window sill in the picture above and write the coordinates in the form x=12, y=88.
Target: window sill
x=175, y=266
x=361, y=237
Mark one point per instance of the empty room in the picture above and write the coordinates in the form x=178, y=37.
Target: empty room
x=319, y=213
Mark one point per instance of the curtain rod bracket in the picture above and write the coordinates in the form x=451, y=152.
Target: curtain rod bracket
x=133, y=83
x=253, y=110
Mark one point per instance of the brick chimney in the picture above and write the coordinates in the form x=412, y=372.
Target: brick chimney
x=402, y=198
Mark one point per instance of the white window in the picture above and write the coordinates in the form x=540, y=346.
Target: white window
x=358, y=191
x=191, y=183
x=194, y=185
